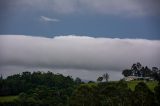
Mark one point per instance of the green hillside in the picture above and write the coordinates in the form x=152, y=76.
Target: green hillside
x=150, y=84
x=7, y=98
x=49, y=89
x=131, y=85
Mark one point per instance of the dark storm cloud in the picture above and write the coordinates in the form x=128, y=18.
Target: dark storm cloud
x=151, y=6
x=114, y=7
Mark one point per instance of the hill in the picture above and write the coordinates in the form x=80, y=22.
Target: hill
x=49, y=89
x=4, y=99
x=151, y=84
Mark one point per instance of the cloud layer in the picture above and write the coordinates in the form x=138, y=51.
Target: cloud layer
x=77, y=52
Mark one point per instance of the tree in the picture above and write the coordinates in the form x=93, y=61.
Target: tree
x=100, y=79
x=154, y=69
x=114, y=94
x=103, y=77
x=156, y=76
x=85, y=95
x=127, y=72
x=1, y=77
x=157, y=94
x=141, y=71
x=106, y=77
x=78, y=80
x=134, y=67
x=138, y=65
x=147, y=72
x=142, y=95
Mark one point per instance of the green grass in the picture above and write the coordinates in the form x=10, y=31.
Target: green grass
x=131, y=84
x=7, y=98
x=150, y=84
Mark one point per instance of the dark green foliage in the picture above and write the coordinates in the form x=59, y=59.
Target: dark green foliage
x=127, y=72
x=103, y=94
x=16, y=84
x=143, y=96
x=156, y=76
x=44, y=96
x=115, y=94
x=157, y=94
x=85, y=95
x=78, y=80
x=42, y=89
x=48, y=89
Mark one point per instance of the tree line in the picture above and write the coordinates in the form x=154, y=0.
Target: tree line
x=142, y=71
x=49, y=89
x=115, y=94
x=39, y=88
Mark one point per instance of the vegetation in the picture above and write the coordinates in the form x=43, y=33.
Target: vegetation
x=151, y=84
x=49, y=89
x=103, y=77
x=140, y=71
x=38, y=88
x=7, y=98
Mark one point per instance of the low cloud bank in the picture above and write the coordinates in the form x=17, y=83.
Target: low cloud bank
x=77, y=52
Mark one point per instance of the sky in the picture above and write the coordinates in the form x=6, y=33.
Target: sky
x=81, y=38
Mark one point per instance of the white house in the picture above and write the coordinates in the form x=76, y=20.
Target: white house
x=130, y=78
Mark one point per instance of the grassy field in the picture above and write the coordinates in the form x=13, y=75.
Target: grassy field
x=7, y=98
x=132, y=84
x=150, y=84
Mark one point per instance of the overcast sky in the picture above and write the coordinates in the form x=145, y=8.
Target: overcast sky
x=82, y=38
